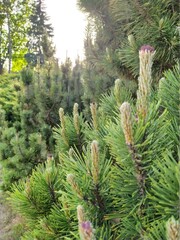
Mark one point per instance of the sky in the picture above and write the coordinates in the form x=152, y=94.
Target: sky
x=69, y=28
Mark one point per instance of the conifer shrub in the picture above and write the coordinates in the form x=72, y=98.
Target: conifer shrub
x=30, y=102
x=27, y=76
x=117, y=176
x=9, y=92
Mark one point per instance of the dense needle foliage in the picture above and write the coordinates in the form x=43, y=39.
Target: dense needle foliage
x=91, y=150
x=118, y=174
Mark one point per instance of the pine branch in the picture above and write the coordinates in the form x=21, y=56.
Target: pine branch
x=99, y=202
x=140, y=174
x=19, y=147
x=53, y=194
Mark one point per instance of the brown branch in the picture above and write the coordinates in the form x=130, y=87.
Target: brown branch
x=99, y=201
x=140, y=174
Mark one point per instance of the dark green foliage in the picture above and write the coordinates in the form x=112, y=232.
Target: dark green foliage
x=169, y=100
x=69, y=135
x=9, y=92
x=27, y=76
x=121, y=28
x=40, y=31
x=19, y=155
x=156, y=231
x=46, y=184
x=31, y=112
x=164, y=198
x=36, y=190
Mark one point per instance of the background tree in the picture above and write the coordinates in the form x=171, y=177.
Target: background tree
x=31, y=114
x=77, y=82
x=14, y=22
x=40, y=31
x=121, y=27
x=95, y=78
x=2, y=37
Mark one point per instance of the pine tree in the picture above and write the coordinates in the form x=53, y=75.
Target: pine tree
x=14, y=22
x=31, y=114
x=40, y=33
x=94, y=83
x=71, y=84
x=76, y=76
x=121, y=27
x=122, y=180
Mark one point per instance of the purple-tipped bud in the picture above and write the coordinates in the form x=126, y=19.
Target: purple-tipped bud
x=86, y=226
x=87, y=229
x=147, y=48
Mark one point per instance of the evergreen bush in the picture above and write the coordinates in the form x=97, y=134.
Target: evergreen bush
x=31, y=101
x=117, y=176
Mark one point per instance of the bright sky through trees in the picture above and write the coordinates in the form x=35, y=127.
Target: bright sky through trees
x=69, y=24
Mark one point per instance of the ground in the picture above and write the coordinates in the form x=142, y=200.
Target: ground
x=10, y=228
x=6, y=220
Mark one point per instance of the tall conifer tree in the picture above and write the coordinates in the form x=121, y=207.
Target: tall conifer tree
x=41, y=31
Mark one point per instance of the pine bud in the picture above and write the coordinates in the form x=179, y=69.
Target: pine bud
x=93, y=107
x=126, y=122
x=61, y=116
x=146, y=55
x=131, y=40
x=49, y=167
x=95, y=161
x=76, y=118
x=173, y=229
x=49, y=157
x=71, y=180
x=142, y=105
x=86, y=230
x=71, y=152
x=75, y=108
x=76, y=123
x=147, y=48
x=80, y=214
x=117, y=91
x=64, y=137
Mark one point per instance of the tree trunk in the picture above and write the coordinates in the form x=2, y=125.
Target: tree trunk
x=1, y=68
x=1, y=61
x=9, y=42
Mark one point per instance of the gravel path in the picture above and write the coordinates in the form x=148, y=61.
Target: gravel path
x=6, y=219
